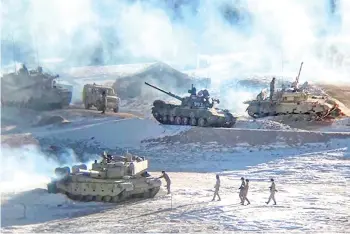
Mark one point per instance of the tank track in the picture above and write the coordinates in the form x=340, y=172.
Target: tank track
x=308, y=116
x=184, y=120
x=120, y=198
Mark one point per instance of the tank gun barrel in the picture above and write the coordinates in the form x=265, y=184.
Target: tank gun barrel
x=163, y=91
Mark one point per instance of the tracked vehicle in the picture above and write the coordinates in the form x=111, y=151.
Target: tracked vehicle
x=196, y=110
x=296, y=102
x=113, y=179
x=34, y=89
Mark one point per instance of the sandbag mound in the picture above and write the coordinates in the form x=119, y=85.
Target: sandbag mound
x=48, y=120
x=158, y=74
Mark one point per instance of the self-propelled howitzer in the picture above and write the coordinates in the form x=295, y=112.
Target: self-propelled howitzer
x=196, y=110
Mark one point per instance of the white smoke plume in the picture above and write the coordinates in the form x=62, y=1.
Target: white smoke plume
x=235, y=38
x=27, y=167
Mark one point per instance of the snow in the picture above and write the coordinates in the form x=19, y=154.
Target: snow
x=312, y=196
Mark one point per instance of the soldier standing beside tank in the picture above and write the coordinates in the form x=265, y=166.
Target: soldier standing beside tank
x=104, y=102
x=272, y=87
x=217, y=187
x=272, y=192
x=241, y=191
x=167, y=179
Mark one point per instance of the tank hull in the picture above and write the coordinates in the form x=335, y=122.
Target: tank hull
x=318, y=110
x=171, y=114
x=83, y=188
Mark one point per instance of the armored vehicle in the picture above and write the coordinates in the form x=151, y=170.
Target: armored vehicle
x=113, y=179
x=295, y=101
x=196, y=110
x=92, y=96
x=34, y=89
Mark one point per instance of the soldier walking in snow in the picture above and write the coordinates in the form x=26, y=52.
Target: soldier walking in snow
x=167, y=179
x=272, y=192
x=241, y=191
x=245, y=192
x=217, y=187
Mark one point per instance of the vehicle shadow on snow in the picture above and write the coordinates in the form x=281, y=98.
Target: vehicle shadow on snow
x=37, y=206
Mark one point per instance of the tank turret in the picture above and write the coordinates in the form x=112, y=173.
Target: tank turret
x=34, y=89
x=295, y=101
x=196, y=110
x=113, y=179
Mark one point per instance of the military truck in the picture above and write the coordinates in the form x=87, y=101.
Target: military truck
x=294, y=101
x=196, y=110
x=34, y=89
x=92, y=96
x=114, y=179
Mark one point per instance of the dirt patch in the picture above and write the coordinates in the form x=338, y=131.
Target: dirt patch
x=18, y=140
x=339, y=92
x=252, y=137
x=48, y=120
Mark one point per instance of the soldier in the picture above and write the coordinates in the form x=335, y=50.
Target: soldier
x=241, y=191
x=217, y=187
x=272, y=87
x=272, y=192
x=104, y=102
x=245, y=192
x=167, y=179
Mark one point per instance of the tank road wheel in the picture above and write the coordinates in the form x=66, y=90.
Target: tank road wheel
x=171, y=119
x=178, y=120
x=106, y=198
x=202, y=122
x=88, y=198
x=79, y=197
x=115, y=199
x=98, y=198
x=185, y=121
x=193, y=121
x=165, y=119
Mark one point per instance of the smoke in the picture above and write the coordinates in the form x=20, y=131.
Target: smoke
x=235, y=37
x=28, y=167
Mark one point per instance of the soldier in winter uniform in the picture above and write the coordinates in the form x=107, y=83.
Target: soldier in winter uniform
x=245, y=192
x=167, y=179
x=272, y=87
x=273, y=190
x=217, y=187
x=104, y=102
x=241, y=191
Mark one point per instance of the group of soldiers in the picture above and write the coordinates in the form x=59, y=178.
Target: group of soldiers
x=243, y=189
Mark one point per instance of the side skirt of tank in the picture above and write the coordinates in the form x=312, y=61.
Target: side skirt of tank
x=188, y=121
x=120, y=198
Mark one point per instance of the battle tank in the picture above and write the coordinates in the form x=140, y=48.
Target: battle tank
x=114, y=179
x=295, y=101
x=195, y=110
x=34, y=89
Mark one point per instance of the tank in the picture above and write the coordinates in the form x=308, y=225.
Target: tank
x=114, y=179
x=195, y=110
x=294, y=101
x=34, y=89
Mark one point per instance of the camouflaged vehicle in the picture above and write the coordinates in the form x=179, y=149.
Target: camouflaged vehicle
x=92, y=96
x=113, y=179
x=196, y=110
x=294, y=101
x=34, y=89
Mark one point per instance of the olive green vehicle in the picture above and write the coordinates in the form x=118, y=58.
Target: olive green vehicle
x=113, y=179
x=295, y=101
x=34, y=89
x=195, y=110
x=92, y=96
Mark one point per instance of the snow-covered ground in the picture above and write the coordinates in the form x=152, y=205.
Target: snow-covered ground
x=313, y=197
